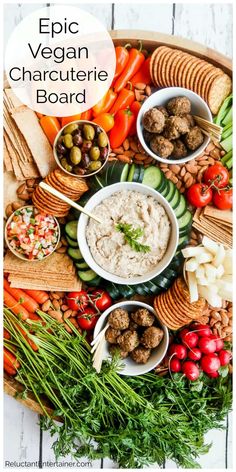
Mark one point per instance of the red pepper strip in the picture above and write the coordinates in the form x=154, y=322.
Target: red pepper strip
x=104, y=105
x=10, y=359
x=6, y=334
x=135, y=107
x=86, y=115
x=51, y=127
x=136, y=59
x=9, y=370
x=123, y=122
x=124, y=100
x=29, y=341
x=143, y=75
x=122, y=57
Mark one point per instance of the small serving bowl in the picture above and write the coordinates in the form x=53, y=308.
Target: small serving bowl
x=18, y=254
x=98, y=198
x=157, y=354
x=79, y=122
x=160, y=98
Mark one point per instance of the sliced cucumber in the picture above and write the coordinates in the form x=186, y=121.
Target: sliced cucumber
x=126, y=290
x=171, y=192
x=153, y=177
x=124, y=175
x=169, y=273
x=182, y=207
x=152, y=288
x=75, y=254
x=132, y=171
x=182, y=242
x=95, y=282
x=113, y=291
x=71, y=229
x=163, y=185
x=71, y=242
x=162, y=282
x=141, y=289
x=118, y=173
x=82, y=265
x=87, y=275
x=185, y=221
x=141, y=174
x=174, y=202
x=167, y=189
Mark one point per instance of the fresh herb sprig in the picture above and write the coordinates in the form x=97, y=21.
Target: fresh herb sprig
x=131, y=235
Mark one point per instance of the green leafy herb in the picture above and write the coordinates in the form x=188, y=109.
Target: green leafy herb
x=131, y=235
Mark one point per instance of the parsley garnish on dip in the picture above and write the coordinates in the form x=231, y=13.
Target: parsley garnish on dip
x=131, y=235
x=32, y=234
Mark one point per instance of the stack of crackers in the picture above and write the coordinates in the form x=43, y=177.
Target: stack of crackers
x=174, y=308
x=71, y=187
x=55, y=273
x=27, y=151
x=216, y=224
x=175, y=68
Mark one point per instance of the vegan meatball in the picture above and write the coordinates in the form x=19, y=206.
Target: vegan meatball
x=119, y=319
x=154, y=121
x=174, y=127
x=189, y=119
x=163, y=110
x=147, y=136
x=128, y=341
x=132, y=325
x=152, y=337
x=112, y=335
x=179, y=106
x=115, y=349
x=140, y=355
x=194, y=138
x=179, y=150
x=161, y=146
x=143, y=317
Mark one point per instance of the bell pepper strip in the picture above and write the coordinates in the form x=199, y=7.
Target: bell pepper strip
x=86, y=115
x=9, y=370
x=134, y=107
x=10, y=359
x=51, y=126
x=105, y=120
x=39, y=115
x=22, y=297
x=105, y=104
x=123, y=122
x=122, y=57
x=15, y=306
x=6, y=334
x=38, y=295
x=136, y=59
x=66, y=120
x=124, y=100
x=143, y=75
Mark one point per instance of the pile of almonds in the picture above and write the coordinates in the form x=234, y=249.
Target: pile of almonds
x=24, y=193
x=57, y=308
x=132, y=151
x=142, y=91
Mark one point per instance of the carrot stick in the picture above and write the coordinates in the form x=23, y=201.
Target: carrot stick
x=10, y=359
x=26, y=301
x=8, y=369
x=38, y=295
x=6, y=334
x=29, y=341
x=14, y=305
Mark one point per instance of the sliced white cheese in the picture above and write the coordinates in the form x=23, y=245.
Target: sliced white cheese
x=212, y=246
x=191, y=251
x=204, y=281
x=226, y=295
x=192, y=285
x=219, y=257
x=210, y=271
x=228, y=261
x=204, y=257
x=200, y=272
x=191, y=264
x=220, y=271
x=210, y=296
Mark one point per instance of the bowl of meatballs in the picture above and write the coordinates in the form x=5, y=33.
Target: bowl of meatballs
x=166, y=127
x=135, y=334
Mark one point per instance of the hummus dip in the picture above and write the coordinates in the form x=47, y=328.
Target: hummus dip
x=108, y=246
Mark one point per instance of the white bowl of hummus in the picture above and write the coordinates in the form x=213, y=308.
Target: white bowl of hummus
x=138, y=236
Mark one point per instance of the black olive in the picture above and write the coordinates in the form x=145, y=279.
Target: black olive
x=85, y=161
x=61, y=149
x=103, y=152
x=77, y=139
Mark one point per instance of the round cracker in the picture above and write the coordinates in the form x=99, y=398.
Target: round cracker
x=155, y=63
x=44, y=209
x=166, y=67
x=182, y=58
x=183, y=296
x=155, y=53
x=208, y=83
x=186, y=70
x=50, y=204
x=50, y=199
x=179, y=313
x=181, y=69
x=158, y=64
x=219, y=90
x=53, y=182
x=173, y=323
x=207, y=72
x=197, y=74
x=75, y=183
x=191, y=71
x=161, y=312
x=176, y=59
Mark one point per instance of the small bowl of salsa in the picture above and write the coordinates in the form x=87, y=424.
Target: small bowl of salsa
x=32, y=235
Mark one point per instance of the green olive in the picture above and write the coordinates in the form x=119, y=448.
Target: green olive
x=94, y=153
x=66, y=165
x=75, y=155
x=102, y=140
x=89, y=132
x=95, y=165
x=68, y=141
x=70, y=128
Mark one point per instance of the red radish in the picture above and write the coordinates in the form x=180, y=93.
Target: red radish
x=219, y=342
x=207, y=345
x=210, y=363
x=179, y=350
x=201, y=329
x=194, y=354
x=214, y=375
x=190, y=370
x=190, y=339
x=175, y=365
x=183, y=332
x=225, y=357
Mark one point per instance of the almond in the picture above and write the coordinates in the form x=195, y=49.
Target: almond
x=16, y=206
x=129, y=153
x=126, y=144
x=174, y=168
x=189, y=182
x=61, y=250
x=24, y=196
x=124, y=158
x=119, y=150
x=30, y=182
x=67, y=314
x=46, y=305
x=140, y=86
x=148, y=90
x=56, y=315
x=56, y=304
x=134, y=146
x=140, y=157
x=64, y=307
x=9, y=210
x=21, y=189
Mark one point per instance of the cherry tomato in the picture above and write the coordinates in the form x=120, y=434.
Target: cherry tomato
x=77, y=300
x=217, y=175
x=100, y=299
x=223, y=199
x=199, y=195
x=88, y=319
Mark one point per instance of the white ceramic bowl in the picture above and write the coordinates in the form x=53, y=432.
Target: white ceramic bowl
x=161, y=97
x=98, y=198
x=131, y=367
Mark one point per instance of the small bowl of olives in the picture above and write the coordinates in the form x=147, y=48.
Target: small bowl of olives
x=81, y=148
